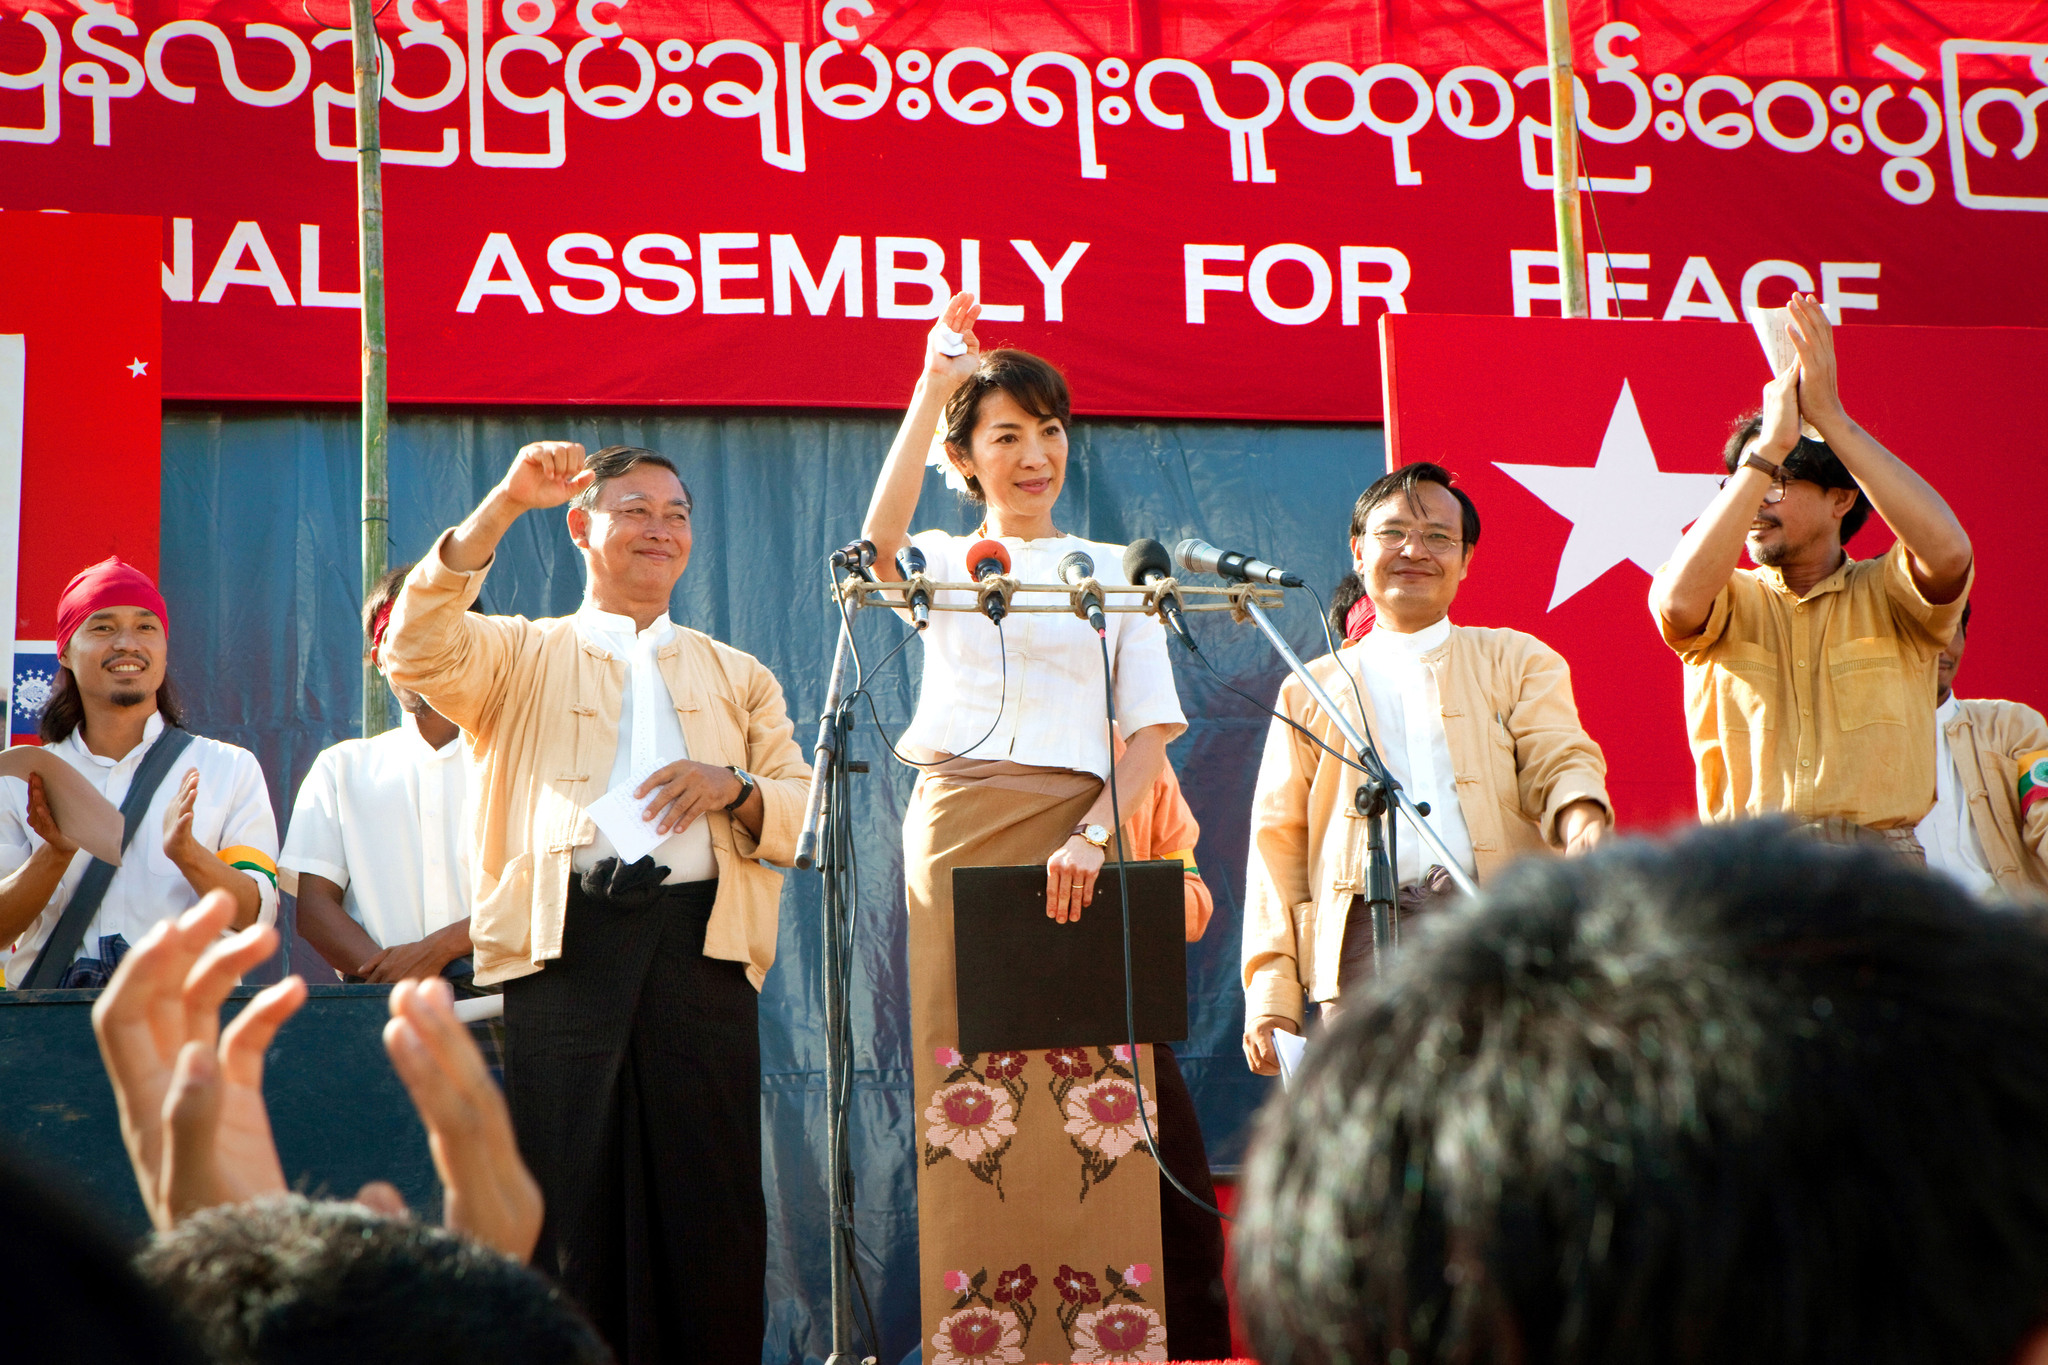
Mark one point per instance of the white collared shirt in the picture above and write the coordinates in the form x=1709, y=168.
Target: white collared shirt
x=1412, y=741
x=1948, y=832
x=650, y=737
x=1037, y=700
x=387, y=819
x=233, y=811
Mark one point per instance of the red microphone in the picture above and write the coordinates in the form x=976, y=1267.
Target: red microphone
x=986, y=559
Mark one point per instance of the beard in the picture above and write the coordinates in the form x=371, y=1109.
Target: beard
x=130, y=696
x=1775, y=555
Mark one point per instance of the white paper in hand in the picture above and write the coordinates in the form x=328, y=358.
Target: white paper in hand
x=1288, y=1047
x=617, y=813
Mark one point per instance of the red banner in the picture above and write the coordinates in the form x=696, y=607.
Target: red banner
x=1199, y=210
x=1597, y=446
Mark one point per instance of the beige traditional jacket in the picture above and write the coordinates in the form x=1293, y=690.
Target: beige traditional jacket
x=1519, y=755
x=1988, y=741
x=539, y=709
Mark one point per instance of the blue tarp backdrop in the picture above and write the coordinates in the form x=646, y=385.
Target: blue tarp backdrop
x=261, y=570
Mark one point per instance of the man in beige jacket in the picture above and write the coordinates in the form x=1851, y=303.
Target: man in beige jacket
x=1989, y=825
x=633, y=778
x=1477, y=723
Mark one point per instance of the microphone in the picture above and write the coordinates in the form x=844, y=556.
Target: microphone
x=910, y=563
x=855, y=555
x=1199, y=556
x=987, y=559
x=1146, y=563
x=1074, y=569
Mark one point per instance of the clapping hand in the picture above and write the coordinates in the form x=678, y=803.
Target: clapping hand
x=190, y=1093
x=43, y=822
x=1820, y=398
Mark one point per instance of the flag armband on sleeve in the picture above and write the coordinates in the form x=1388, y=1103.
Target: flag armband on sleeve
x=1186, y=858
x=250, y=860
x=2033, y=780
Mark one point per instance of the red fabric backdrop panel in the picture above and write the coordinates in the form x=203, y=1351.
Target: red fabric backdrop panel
x=1576, y=440
x=85, y=292
x=84, y=289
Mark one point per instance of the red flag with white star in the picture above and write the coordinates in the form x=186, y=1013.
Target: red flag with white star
x=1589, y=447
x=81, y=418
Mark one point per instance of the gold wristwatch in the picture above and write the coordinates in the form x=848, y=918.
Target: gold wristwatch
x=1097, y=835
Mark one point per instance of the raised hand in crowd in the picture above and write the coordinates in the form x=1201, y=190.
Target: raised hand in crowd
x=487, y=1191
x=190, y=1093
x=895, y=499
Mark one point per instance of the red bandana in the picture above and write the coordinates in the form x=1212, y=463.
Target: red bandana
x=380, y=623
x=109, y=583
x=1358, y=621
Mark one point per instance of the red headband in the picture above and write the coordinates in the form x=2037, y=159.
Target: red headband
x=109, y=583
x=1358, y=621
x=380, y=621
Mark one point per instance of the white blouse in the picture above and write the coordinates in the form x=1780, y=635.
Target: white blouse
x=1037, y=699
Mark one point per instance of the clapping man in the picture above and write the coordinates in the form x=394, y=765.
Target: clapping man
x=204, y=821
x=1810, y=679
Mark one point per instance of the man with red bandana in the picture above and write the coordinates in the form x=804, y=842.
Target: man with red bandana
x=208, y=826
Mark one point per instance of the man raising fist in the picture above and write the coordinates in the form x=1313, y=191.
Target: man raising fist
x=633, y=776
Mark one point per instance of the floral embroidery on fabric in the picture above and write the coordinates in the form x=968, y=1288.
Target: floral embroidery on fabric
x=1123, y=1328
x=1100, y=1109
x=978, y=1330
x=972, y=1119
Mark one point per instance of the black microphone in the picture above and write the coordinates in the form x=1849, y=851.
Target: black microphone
x=988, y=559
x=855, y=555
x=1146, y=563
x=910, y=563
x=1199, y=556
x=1072, y=570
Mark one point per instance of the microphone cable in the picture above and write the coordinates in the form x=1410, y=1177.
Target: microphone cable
x=862, y=676
x=1130, y=1004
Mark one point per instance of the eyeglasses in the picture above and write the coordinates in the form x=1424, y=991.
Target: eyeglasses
x=1436, y=542
x=1775, y=493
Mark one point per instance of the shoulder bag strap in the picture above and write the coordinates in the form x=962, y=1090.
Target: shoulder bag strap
x=62, y=945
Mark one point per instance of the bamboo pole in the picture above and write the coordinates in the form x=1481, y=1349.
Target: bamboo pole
x=376, y=393
x=1564, y=161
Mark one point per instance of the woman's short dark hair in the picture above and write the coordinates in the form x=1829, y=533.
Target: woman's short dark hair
x=1810, y=460
x=1402, y=483
x=65, y=710
x=1033, y=383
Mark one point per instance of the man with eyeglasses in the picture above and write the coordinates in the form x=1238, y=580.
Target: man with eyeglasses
x=1477, y=723
x=1810, y=679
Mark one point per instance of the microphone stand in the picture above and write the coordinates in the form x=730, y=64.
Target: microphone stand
x=1376, y=800
x=825, y=823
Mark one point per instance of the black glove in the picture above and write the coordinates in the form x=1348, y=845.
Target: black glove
x=630, y=886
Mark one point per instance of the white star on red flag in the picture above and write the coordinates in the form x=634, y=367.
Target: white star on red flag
x=1621, y=508
x=138, y=367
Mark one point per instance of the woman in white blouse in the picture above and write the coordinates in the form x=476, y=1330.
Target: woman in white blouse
x=1013, y=743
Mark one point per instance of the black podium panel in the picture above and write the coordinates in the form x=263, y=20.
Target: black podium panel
x=339, y=1112
x=1027, y=981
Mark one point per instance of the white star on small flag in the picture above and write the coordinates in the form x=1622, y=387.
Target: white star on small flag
x=138, y=367
x=1622, y=508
